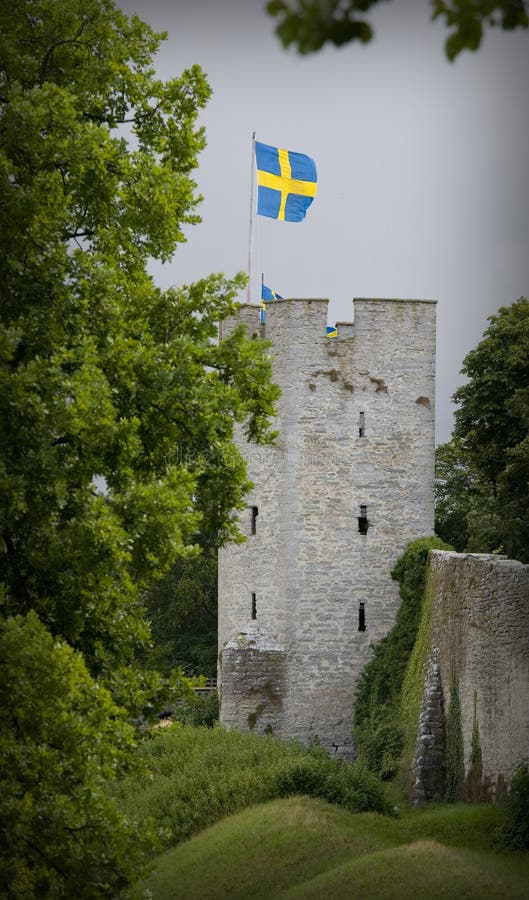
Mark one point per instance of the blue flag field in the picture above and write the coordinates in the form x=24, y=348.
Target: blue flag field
x=286, y=183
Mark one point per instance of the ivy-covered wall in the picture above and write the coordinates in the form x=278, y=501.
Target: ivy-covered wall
x=390, y=689
x=474, y=635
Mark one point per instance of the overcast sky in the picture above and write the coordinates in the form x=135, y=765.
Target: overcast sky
x=423, y=176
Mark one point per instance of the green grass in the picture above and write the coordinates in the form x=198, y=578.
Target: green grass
x=424, y=868
x=305, y=848
x=195, y=776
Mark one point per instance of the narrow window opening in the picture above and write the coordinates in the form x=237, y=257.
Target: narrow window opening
x=362, y=617
x=361, y=425
x=254, y=606
x=253, y=524
x=363, y=524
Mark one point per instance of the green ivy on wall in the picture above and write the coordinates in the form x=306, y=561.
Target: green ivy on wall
x=378, y=724
x=455, y=763
x=475, y=790
x=413, y=688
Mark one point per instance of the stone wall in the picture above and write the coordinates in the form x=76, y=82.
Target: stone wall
x=256, y=662
x=480, y=644
x=356, y=429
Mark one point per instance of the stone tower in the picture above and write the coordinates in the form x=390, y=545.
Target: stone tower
x=335, y=502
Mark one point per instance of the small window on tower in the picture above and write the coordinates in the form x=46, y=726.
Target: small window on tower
x=363, y=524
x=253, y=523
x=361, y=425
x=362, y=617
x=254, y=606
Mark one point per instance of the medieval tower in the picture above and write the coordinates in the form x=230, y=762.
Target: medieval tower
x=348, y=484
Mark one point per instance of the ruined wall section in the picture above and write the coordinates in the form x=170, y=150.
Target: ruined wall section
x=480, y=642
x=356, y=422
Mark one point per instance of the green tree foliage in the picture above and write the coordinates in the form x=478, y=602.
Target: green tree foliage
x=470, y=18
x=309, y=24
x=63, y=741
x=492, y=433
x=465, y=507
x=105, y=379
x=182, y=609
x=454, y=486
x=377, y=718
x=494, y=403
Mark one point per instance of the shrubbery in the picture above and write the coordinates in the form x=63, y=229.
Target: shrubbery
x=195, y=776
x=198, y=710
x=514, y=833
x=62, y=743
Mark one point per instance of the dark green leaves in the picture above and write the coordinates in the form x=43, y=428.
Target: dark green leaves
x=62, y=742
x=309, y=24
x=118, y=403
x=483, y=473
x=468, y=18
x=118, y=406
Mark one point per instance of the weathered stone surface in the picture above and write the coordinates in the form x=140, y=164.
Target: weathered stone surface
x=480, y=638
x=307, y=564
x=252, y=665
x=428, y=766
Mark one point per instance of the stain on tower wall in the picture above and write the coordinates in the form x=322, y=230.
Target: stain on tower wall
x=252, y=670
x=480, y=643
x=311, y=565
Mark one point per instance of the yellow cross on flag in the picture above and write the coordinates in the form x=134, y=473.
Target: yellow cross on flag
x=286, y=183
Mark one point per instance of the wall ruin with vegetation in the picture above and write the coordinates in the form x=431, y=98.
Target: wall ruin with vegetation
x=473, y=722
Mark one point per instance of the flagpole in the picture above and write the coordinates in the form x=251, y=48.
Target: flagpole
x=262, y=315
x=250, y=231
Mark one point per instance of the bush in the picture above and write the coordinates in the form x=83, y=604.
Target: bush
x=198, y=710
x=195, y=776
x=316, y=774
x=513, y=834
x=62, y=741
x=384, y=746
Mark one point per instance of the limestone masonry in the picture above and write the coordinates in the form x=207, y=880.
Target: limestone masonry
x=479, y=645
x=336, y=501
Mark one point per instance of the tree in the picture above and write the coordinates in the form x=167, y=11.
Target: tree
x=62, y=742
x=182, y=610
x=465, y=506
x=117, y=401
x=309, y=24
x=514, y=489
x=492, y=437
x=454, y=486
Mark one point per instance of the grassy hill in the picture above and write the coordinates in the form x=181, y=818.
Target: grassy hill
x=305, y=848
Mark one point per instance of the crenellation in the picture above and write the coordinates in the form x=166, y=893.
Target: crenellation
x=308, y=563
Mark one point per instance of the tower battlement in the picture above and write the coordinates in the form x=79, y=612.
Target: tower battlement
x=347, y=485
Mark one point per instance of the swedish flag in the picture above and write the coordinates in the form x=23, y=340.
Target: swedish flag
x=268, y=294
x=332, y=331
x=286, y=183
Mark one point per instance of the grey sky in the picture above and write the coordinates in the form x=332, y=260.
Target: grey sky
x=423, y=187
